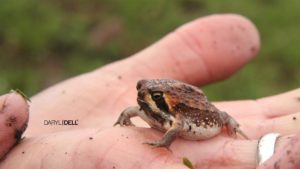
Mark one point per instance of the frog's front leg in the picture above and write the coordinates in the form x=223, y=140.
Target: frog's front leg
x=124, y=118
x=168, y=137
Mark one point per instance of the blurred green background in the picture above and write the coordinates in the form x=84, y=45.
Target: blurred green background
x=43, y=42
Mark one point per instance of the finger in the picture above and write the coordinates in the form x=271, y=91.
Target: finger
x=264, y=108
x=285, y=125
x=270, y=114
x=286, y=156
x=205, y=50
x=281, y=104
x=13, y=120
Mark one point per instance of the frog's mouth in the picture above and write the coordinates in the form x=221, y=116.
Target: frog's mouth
x=143, y=105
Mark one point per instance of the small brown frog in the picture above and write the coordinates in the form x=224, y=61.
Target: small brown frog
x=178, y=109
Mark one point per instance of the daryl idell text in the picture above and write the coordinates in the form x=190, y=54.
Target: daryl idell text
x=61, y=122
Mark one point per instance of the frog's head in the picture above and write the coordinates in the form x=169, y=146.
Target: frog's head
x=163, y=95
x=152, y=95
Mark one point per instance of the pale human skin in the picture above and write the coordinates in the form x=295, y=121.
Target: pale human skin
x=200, y=52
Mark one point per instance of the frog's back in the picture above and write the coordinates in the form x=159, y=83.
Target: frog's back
x=201, y=119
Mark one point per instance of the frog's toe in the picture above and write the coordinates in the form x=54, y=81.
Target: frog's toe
x=128, y=123
x=238, y=130
x=152, y=143
x=123, y=121
x=157, y=144
x=117, y=123
x=233, y=131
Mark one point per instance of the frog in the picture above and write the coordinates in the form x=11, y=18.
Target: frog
x=178, y=109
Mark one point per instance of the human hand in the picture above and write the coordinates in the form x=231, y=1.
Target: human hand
x=203, y=51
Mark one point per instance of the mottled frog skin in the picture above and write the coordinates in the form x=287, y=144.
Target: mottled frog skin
x=178, y=109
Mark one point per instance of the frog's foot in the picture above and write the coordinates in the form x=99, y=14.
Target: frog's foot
x=123, y=121
x=159, y=143
x=124, y=118
x=234, y=128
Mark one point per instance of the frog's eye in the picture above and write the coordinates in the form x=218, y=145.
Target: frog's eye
x=160, y=102
x=156, y=95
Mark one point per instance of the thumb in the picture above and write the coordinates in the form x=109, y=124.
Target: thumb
x=14, y=116
x=205, y=50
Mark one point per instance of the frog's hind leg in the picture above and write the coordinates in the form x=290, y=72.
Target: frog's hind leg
x=233, y=126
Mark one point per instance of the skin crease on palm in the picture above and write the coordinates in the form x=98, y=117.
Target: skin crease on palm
x=200, y=52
